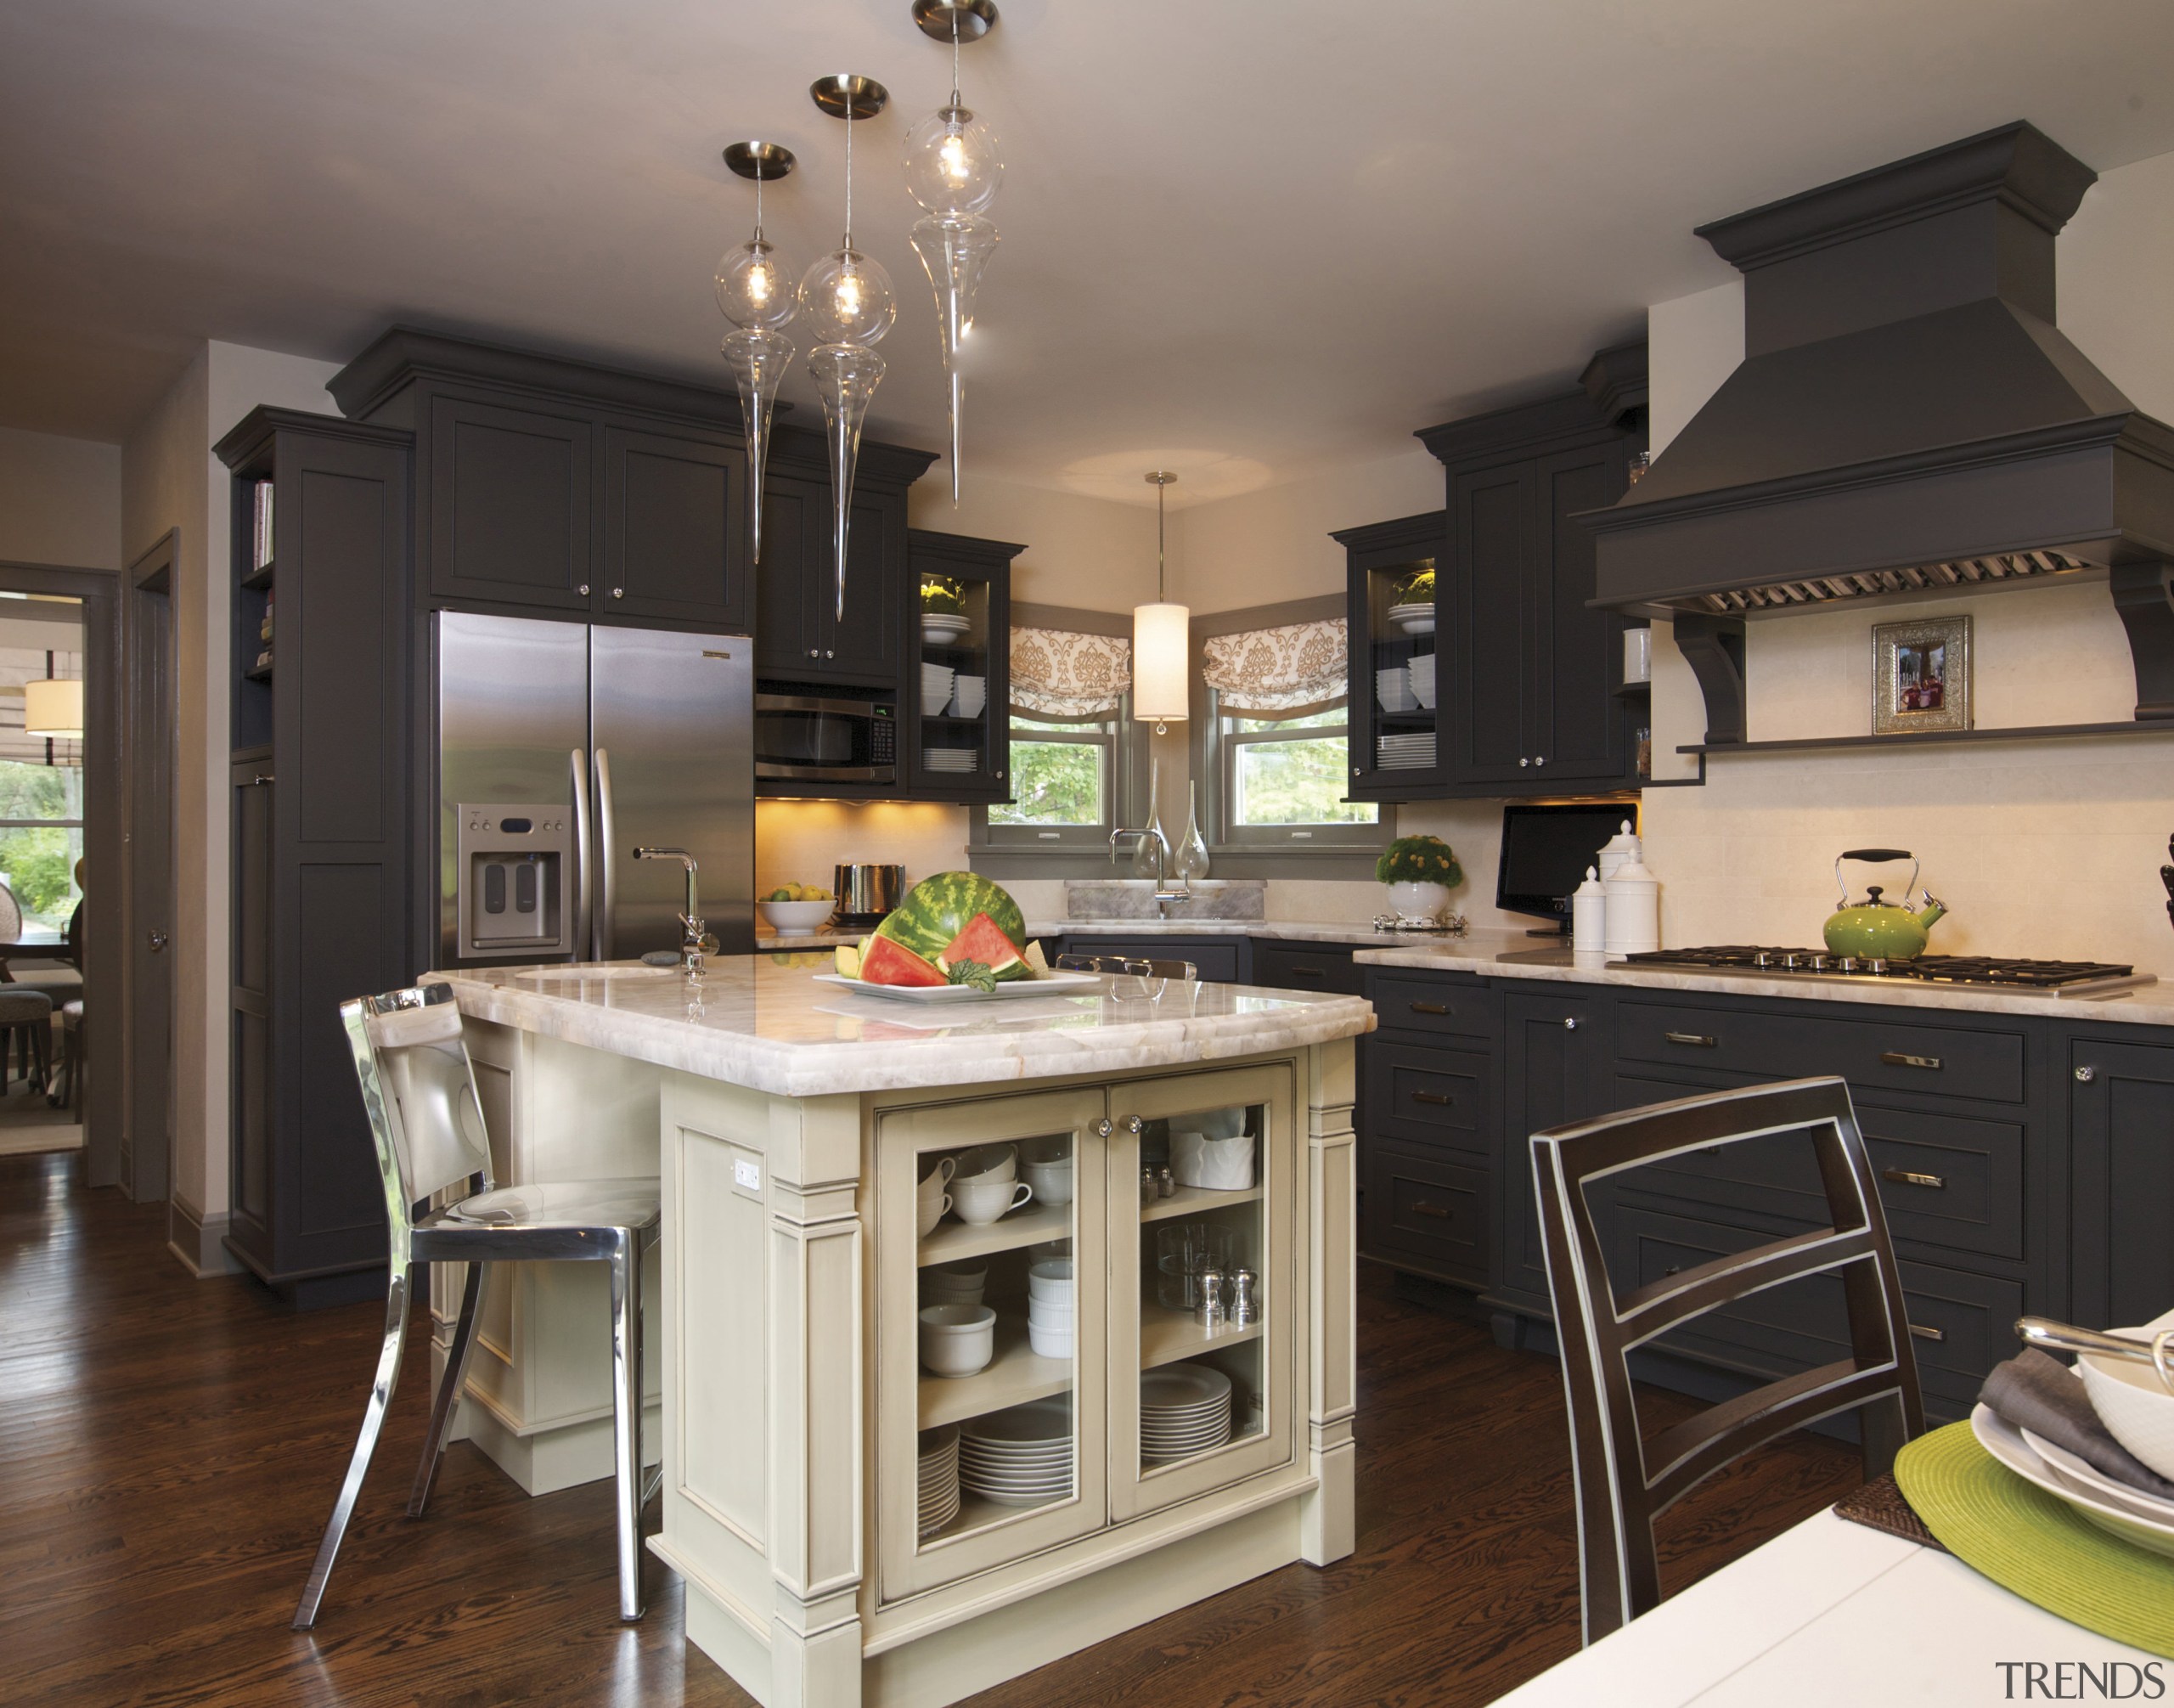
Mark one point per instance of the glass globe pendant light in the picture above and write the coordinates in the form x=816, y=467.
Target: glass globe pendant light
x=847, y=298
x=755, y=289
x=953, y=168
x=1161, y=641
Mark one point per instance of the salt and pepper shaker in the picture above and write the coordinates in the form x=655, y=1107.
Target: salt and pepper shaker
x=1245, y=1298
x=1207, y=1310
x=1149, y=1189
x=1166, y=1183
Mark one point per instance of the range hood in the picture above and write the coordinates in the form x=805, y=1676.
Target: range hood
x=1907, y=418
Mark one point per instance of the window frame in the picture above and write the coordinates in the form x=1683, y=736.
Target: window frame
x=1327, y=839
x=1065, y=839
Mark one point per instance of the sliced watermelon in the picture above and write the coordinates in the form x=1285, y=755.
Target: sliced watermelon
x=984, y=940
x=937, y=909
x=887, y=962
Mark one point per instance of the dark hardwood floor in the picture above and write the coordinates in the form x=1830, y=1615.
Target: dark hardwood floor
x=168, y=1449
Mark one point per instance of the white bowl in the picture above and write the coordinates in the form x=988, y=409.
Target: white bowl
x=957, y=1340
x=1051, y=1280
x=2133, y=1404
x=788, y=917
x=1052, y=1181
x=1050, y=1342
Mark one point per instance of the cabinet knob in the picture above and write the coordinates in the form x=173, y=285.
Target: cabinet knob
x=1540, y=759
x=1355, y=770
x=828, y=653
x=1522, y=763
x=582, y=589
x=1569, y=1022
x=999, y=776
x=1133, y=1124
x=2084, y=1076
x=618, y=593
x=1103, y=1128
x=158, y=941
x=814, y=652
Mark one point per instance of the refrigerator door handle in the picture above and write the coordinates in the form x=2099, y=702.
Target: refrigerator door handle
x=583, y=900
x=607, y=832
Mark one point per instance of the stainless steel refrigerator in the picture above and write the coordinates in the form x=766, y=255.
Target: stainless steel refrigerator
x=562, y=747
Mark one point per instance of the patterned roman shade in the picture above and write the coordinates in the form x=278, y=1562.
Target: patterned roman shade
x=1057, y=672
x=1265, y=671
x=19, y=665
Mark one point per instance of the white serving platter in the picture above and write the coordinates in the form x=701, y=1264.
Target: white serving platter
x=933, y=995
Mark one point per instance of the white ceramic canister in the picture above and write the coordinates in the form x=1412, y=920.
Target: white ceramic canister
x=1634, y=911
x=1623, y=848
x=1638, y=655
x=1589, y=915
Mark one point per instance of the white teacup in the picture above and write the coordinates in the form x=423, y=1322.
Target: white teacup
x=957, y=1340
x=981, y=1202
x=988, y=1162
x=931, y=1212
x=1052, y=1181
x=934, y=1182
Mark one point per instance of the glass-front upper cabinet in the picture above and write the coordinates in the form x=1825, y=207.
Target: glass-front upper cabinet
x=989, y=1324
x=1204, y=1318
x=958, y=666
x=1395, y=616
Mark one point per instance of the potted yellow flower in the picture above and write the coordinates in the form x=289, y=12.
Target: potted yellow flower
x=1419, y=871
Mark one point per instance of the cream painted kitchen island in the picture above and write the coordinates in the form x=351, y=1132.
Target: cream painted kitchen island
x=795, y=1122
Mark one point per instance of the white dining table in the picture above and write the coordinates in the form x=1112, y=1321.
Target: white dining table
x=1833, y=1615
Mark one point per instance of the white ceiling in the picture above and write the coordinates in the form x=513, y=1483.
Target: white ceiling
x=1244, y=238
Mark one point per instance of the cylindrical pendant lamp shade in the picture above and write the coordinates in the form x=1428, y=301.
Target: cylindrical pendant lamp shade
x=54, y=708
x=1160, y=645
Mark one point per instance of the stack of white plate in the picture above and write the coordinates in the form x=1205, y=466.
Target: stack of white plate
x=935, y=681
x=939, y=1478
x=1421, y=671
x=1393, y=688
x=1022, y=1457
x=951, y=759
x=1417, y=618
x=942, y=626
x=1184, y=1409
x=1412, y=750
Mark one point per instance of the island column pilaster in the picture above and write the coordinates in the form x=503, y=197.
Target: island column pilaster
x=1327, y=1521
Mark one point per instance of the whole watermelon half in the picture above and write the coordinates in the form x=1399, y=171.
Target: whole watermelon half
x=937, y=909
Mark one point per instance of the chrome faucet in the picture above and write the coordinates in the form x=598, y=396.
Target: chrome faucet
x=694, y=937
x=1164, y=895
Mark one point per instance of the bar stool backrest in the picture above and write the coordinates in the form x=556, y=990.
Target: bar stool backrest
x=1624, y=1479
x=419, y=1089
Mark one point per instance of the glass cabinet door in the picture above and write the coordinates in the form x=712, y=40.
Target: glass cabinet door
x=958, y=731
x=991, y=1407
x=1200, y=1398
x=1400, y=642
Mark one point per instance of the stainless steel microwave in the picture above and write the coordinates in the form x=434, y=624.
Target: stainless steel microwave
x=827, y=739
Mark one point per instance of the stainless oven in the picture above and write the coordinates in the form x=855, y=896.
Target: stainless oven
x=829, y=739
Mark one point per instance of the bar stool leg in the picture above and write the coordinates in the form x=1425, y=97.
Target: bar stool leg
x=627, y=1415
x=449, y=1390
x=402, y=1285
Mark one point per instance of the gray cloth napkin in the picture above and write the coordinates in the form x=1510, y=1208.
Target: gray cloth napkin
x=2043, y=1396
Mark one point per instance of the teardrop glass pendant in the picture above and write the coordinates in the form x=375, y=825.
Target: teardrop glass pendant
x=1193, y=852
x=954, y=249
x=845, y=377
x=758, y=360
x=1147, y=850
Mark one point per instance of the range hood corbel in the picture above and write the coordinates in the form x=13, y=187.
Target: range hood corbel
x=1908, y=422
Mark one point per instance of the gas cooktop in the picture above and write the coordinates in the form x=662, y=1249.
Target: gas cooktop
x=2086, y=979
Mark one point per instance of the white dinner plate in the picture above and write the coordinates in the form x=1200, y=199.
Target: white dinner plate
x=2005, y=1442
x=1181, y=1387
x=2087, y=1479
x=1042, y=1423
x=1042, y=984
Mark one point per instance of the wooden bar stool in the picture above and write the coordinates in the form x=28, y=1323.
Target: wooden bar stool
x=1625, y=1482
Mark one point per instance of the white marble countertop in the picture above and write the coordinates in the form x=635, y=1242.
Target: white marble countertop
x=2151, y=1006
x=1288, y=930
x=772, y=1028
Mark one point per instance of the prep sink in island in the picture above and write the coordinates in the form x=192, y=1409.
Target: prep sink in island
x=850, y=1526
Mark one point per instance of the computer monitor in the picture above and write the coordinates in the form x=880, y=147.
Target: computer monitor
x=1545, y=849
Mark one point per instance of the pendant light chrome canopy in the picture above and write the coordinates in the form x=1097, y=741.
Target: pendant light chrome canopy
x=755, y=289
x=1161, y=641
x=953, y=168
x=847, y=299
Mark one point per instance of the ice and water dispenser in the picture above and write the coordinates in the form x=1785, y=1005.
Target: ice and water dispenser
x=516, y=865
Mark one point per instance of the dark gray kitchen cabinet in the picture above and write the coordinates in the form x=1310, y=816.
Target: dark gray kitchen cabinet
x=321, y=798
x=675, y=545
x=953, y=754
x=1381, y=560
x=1280, y=964
x=507, y=494
x=2121, y=1103
x=1556, y=1055
x=801, y=636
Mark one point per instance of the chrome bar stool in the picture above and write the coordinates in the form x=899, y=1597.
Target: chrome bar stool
x=1625, y=1480
x=420, y=1090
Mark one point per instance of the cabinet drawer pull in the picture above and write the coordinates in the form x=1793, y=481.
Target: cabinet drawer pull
x=1910, y=1177
x=1698, y=1039
x=1429, y=1207
x=1921, y=1332
x=1307, y=972
x=1442, y=1008
x=1900, y=1058
x=1438, y=1099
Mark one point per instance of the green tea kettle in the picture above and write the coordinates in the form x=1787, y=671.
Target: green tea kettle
x=1877, y=930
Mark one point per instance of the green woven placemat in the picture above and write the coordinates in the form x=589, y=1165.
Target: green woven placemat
x=2026, y=1541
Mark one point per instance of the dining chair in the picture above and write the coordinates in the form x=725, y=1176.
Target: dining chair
x=1624, y=1479
x=68, y=1084
x=434, y=1159
x=26, y=1032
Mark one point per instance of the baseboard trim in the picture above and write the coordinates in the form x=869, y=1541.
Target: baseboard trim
x=198, y=1241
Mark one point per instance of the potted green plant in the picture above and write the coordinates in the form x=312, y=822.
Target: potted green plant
x=943, y=607
x=1419, y=871
x=1412, y=606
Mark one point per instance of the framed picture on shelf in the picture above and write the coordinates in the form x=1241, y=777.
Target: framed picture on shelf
x=1921, y=676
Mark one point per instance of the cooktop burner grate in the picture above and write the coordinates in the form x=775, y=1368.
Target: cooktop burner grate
x=1944, y=969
